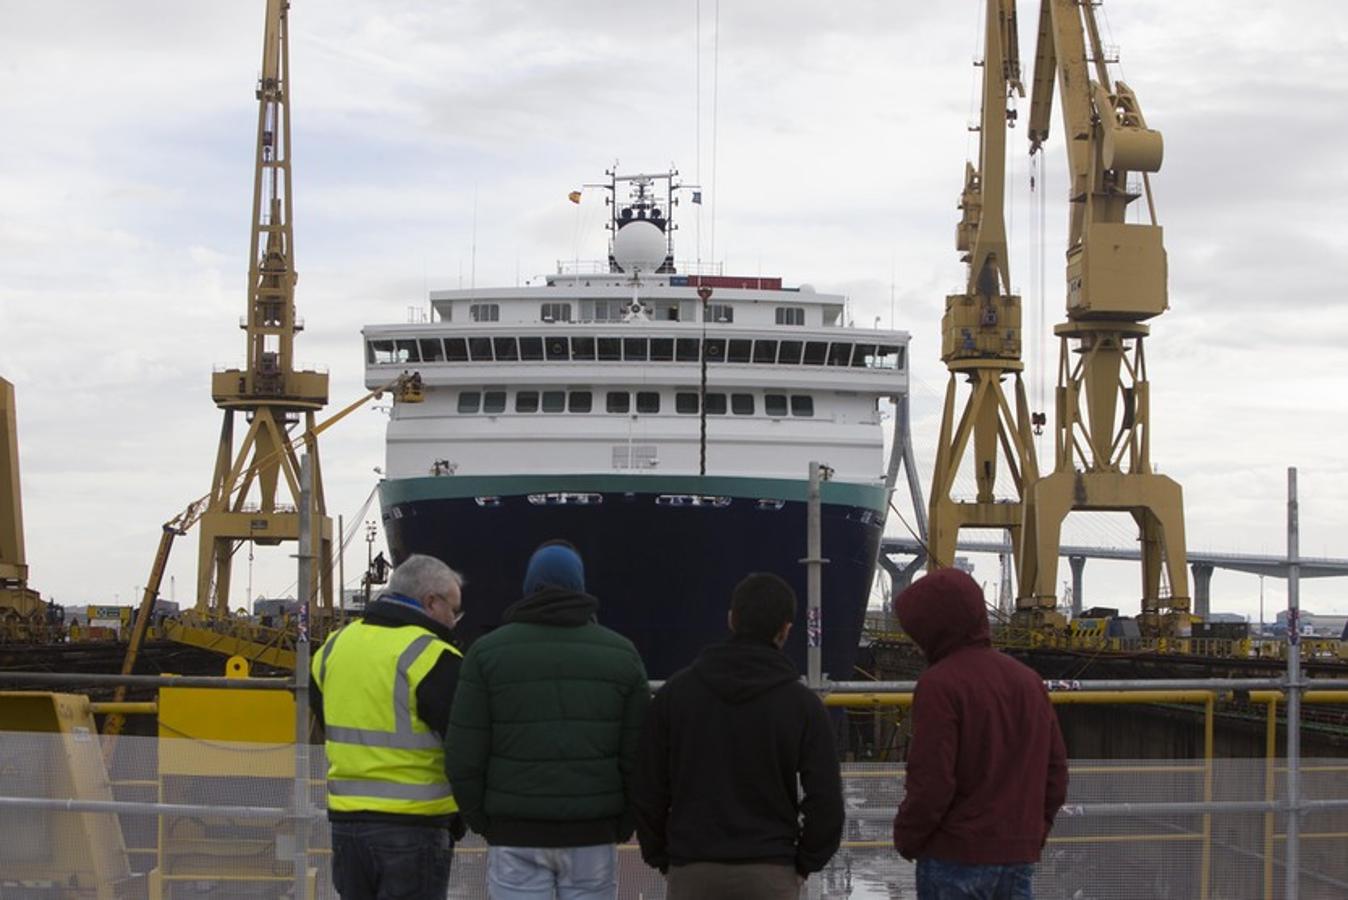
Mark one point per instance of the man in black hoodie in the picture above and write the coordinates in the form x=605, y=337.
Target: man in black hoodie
x=726, y=743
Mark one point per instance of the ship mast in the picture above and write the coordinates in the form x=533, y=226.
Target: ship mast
x=271, y=394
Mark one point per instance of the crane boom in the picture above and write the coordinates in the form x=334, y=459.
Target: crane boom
x=406, y=388
x=981, y=328
x=1116, y=280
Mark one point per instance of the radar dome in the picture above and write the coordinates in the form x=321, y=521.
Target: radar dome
x=639, y=247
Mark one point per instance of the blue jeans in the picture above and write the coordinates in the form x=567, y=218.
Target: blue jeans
x=378, y=861
x=542, y=873
x=937, y=880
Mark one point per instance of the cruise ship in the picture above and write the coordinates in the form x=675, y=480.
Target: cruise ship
x=660, y=419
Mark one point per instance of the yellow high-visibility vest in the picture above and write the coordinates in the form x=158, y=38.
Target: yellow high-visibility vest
x=381, y=756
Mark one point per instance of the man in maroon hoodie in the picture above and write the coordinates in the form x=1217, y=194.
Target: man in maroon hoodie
x=987, y=769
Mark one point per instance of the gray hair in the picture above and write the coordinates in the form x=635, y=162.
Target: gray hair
x=419, y=576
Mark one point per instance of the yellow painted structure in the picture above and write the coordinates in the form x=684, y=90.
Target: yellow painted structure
x=271, y=394
x=1116, y=279
x=58, y=757
x=22, y=612
x=223, y=746
x=981, y=331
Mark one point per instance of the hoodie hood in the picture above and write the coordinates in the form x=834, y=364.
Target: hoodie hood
x=553, y=606
x=743, y=668
x=944, y=612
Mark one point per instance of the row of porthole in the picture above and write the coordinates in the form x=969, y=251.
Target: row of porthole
x=564, y=498
x=644, y=403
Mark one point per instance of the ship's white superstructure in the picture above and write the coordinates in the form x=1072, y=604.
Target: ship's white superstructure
x=660, y=419
x=591, y=373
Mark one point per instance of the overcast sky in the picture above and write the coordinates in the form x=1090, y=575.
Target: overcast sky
x=839, y=139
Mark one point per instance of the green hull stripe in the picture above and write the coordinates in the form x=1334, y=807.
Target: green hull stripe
x=451, y=487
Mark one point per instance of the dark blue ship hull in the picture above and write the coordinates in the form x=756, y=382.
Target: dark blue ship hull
x=662, y=553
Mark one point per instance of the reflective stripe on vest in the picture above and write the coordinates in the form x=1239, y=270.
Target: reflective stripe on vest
x=389, y=790
x=381, y=757
x=403, y=737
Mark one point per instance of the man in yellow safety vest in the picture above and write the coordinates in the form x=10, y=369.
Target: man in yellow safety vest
x=382, y=687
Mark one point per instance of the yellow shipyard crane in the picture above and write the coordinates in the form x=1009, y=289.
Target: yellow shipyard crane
x=271, y=394
x=22, y=611
x=981, y=331
x=1116, y=281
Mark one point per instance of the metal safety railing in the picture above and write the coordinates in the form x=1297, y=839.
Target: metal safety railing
x=301, y=817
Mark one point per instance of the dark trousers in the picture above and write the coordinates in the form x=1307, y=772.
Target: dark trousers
x=938, y=880
x=380, y=861
x=732, y=881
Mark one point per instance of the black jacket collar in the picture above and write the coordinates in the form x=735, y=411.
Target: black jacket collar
x=392, y=614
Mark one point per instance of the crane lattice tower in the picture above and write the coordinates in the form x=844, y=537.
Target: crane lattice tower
x=273, y=396
x=1116, y=280
x=981, y=329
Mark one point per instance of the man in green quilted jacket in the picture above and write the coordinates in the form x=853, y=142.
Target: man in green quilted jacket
x=543, y=736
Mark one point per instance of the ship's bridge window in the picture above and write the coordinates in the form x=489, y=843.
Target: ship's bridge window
x=580, y=401
x=816, y=352
x=790, y=315
x=720, y=312
x=739, y=351
x=715, y=349
x=863, y=356
x=556, y=348
x=456, y=349
x=774, y=405
x=531, y=348
x=554, y=401
x=742, y=404
x=839, y=354
x=887, y=356
x=619, y=402
x=635, y=349
x=469, y=401
x=506, y=351
x=494, y=401
x=685, y=403
x=485, y=312
x=609, y=348
x=662, y=349
x=582, y=348
x=685, y=350
x=407, y=351
x=765, y=351
x=715, y=404
x=479, y=348
x=526, y=402
x=802, y=405
x=788, y=352
x=381, y=353
x=555, y=312
x=648, y=402
x=431, y=350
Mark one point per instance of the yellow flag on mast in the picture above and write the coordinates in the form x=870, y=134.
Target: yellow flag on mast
x=574, y=196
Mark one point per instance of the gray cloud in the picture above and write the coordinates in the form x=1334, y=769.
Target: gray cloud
x=841, y=142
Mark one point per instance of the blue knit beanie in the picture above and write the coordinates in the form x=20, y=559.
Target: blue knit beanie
x=554, y=566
